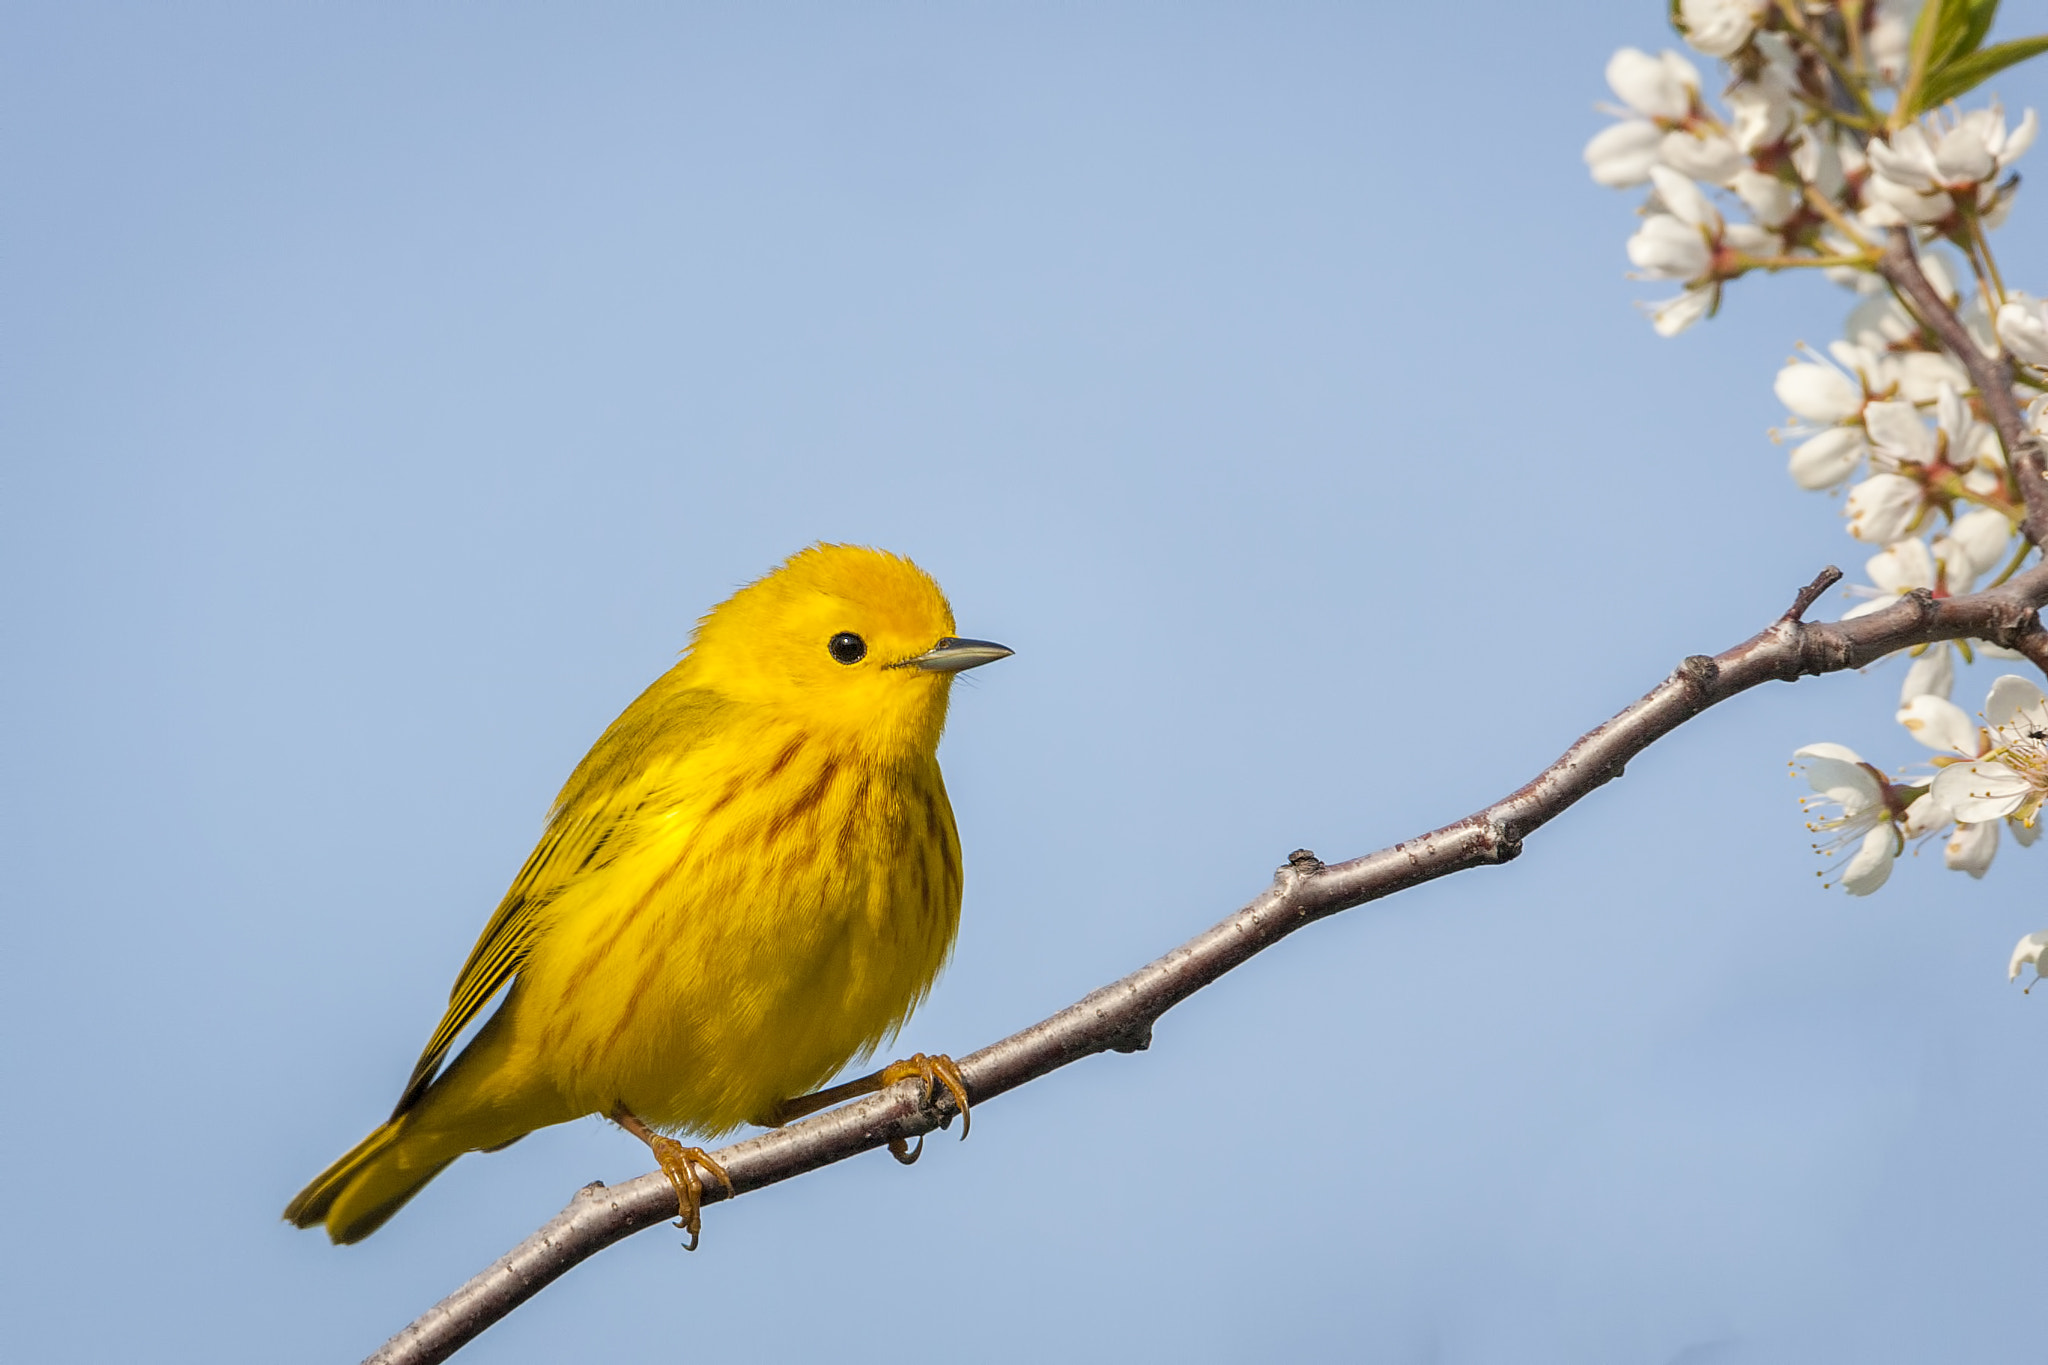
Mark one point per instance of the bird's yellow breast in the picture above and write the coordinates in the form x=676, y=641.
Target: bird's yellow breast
x=774, y=904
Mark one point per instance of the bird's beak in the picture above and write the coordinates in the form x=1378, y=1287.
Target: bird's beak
x=957, y=656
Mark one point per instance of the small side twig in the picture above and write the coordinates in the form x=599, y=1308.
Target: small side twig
x=1812, y=593
x=1119, y=1017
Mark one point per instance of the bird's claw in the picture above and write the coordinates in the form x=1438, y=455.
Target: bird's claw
x=934, y=1071
x=679, y=1164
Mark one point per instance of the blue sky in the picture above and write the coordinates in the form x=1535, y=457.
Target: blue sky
x=386, y=391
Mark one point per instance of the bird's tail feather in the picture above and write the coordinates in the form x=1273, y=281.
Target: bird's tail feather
x=372, y=1181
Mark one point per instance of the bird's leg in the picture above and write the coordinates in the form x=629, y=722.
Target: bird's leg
x=935, y=1071
x=679, y=1164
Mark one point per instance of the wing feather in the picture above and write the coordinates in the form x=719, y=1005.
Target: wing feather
x=584, y=833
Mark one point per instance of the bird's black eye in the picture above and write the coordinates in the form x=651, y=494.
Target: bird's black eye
x=848, y=648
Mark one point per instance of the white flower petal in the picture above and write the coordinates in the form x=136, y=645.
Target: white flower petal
x=1769, y=200
x=1651, y=86
x=1963, y=157
x=2023, y=327
x=2027, y=953
x=1752, y=240
x=1911, y=205
x=1675, y=315
x=2018, y=140
x=1685, y=200
x=1926, y=815
x=1827, y=459
x=1904, y=159
x=1763, y=112
x=1719, y=28
x=1901, y=567
x=1840, y=775
x=1922, y=374
x=1896, y=429
x=1665, y=248
x=1622, y=155
x=1702, y=154
x=1883, y=508
x=2012, y=698
x=1933, y=674
x=1819, y=393
x=1871, y=865
x=1971, y=848
x=1984, y=790
x=1981, y=541
x=1941, y=725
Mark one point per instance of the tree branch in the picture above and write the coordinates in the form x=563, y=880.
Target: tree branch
x=1119, y=1017
x=1992, y=376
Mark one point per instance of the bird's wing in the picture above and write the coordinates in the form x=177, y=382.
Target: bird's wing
x=585, y=831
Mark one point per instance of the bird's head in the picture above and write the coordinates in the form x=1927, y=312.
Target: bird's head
x=841, y=638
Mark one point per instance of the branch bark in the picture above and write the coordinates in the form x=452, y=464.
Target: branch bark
x=1120, y=1016
x=1992, y=375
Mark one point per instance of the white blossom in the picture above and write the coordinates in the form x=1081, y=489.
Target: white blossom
x=1864, y=829
x=1660, y=87
x=1890, y=204
x=1823, y=160
x=1827, y=459
x=1921, y=374
x=1666, y=247
x=2023, y=327
x=1976, y=544
x=1763, y=111
x=1933, y=674
x=1901, y=568
x=2028, y=953
x=1679, y=241
x=1883, y=508
x=1898, y=433
x=1661, y=94
x=1621, y=154
x=2010, y=777
x=1769, y=200
x=1817, y=391
x=1719, y=28
x=1675, y=315
x=1971, y=848
x=1704, y=153
x=1924, y=167
x=1890, y=39
x=1899, y=436
x=1878, y=321
x=1942, y=725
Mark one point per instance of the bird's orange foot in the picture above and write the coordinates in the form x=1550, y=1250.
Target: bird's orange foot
x=934, y=1071
x=679, y=1164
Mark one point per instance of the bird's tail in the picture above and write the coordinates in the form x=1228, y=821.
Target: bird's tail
x=372, y=1181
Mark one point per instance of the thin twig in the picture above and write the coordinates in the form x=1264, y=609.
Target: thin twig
x=1992, y=375
x=1119, y=1017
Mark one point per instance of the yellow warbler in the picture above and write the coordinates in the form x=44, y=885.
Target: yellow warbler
x=751, y=879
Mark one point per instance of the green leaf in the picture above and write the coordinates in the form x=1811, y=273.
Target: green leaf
x=1982, y=12
x=1920, y=59
x=1966, y=73
x=1951, y=27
